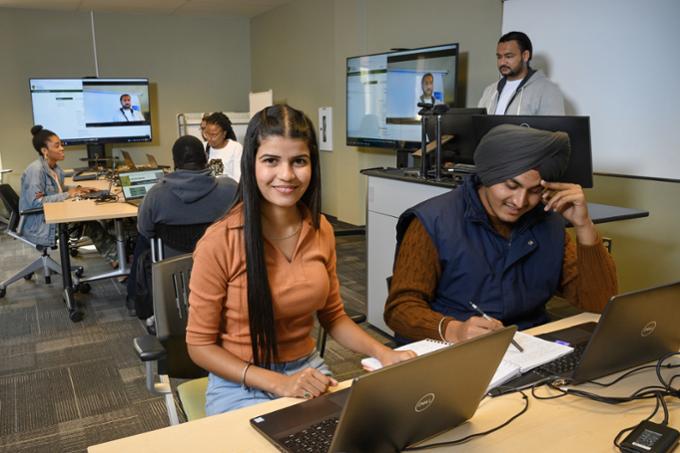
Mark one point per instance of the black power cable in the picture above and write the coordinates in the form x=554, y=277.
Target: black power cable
x=468, y=438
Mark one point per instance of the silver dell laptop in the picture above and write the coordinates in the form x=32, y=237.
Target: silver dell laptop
x=135, y=184
x=635, y=328
x=389, y=409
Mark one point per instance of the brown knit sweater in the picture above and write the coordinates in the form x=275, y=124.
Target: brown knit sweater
x=588, y=281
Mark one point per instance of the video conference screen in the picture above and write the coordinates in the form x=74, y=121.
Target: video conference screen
x=383, y=92
x=93, y=110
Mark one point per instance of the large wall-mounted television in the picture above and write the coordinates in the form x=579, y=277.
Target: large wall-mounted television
x=93, y=110
x=383, y=92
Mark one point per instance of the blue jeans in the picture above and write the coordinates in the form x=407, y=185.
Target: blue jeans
x=223, y=395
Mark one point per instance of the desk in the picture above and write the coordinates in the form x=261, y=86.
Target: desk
x=564, y=425
x=73, y=210
x=389, y=194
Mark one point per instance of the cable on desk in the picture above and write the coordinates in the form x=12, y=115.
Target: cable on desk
x=465, y=439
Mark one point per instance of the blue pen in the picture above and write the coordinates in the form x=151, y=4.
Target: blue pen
x=488, y=318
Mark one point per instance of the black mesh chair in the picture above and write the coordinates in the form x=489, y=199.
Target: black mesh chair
x=15, y=224
x=174, y=240
x=168, y=348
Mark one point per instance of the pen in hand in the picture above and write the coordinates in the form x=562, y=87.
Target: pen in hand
x=488, y=318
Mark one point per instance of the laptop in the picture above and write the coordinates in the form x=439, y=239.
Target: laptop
x=635, y=328
x=98, y=194
x=135, y=184
x=396, y=406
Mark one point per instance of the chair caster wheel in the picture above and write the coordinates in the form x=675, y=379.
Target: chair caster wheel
x=75, y=315
x=3, y=291
x=79, y=271
x=83, y=288
x=29, y=276
x=73, y=252
x=48, y=280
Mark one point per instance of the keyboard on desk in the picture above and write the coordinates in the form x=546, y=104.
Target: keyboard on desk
x=316, y=438
x=96, y=195
x=565, y=364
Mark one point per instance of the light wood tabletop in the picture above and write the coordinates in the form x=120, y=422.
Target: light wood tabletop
x=566, y=424
x=76, y=210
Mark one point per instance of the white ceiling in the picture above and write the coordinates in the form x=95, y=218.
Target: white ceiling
x=247, y=8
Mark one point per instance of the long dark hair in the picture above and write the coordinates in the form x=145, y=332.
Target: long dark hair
x=223, y=122
x=274, y=121
x=40, y=137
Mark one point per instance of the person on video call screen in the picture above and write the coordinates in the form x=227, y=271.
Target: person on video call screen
x=126, y=113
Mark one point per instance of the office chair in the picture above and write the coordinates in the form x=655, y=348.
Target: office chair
x=168, y=348
x=174, y=240
x=14, y=229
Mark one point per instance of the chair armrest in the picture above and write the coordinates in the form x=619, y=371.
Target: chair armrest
x=148, y=348
x=32, y=211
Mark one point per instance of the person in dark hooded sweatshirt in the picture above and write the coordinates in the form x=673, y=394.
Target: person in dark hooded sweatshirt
x=189, y=195
x=498, y=241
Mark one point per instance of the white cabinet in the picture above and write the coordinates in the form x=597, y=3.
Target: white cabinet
x=387, y=199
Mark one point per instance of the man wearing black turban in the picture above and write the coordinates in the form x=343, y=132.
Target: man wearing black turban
x=498, y=241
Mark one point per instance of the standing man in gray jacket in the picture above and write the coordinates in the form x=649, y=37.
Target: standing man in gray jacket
x=521, y=90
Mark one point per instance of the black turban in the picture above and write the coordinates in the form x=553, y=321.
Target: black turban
x=509, y=150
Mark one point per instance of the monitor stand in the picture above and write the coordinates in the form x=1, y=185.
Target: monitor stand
x=96, y=155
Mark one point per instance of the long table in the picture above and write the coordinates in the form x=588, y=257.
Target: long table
x=566, y=424
x=74, y=210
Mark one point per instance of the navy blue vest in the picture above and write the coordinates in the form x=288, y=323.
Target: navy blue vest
x=511, y=280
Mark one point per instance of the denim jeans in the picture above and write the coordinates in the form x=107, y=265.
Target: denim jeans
x=223, y=395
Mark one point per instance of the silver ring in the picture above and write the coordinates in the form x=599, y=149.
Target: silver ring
x=306, y=395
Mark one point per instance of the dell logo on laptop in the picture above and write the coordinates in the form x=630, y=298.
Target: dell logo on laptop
x=424, y=402
x=648, y=329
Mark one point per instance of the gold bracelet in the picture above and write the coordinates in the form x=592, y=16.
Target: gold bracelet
x=439, y=329
x=243, y=376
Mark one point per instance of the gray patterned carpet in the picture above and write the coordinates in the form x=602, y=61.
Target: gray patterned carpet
x=65, y=386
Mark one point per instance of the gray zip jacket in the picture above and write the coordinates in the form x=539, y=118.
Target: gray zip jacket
x=536, y=95
x=36, y=180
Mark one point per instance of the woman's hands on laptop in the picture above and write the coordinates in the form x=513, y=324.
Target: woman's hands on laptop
x=308, y=383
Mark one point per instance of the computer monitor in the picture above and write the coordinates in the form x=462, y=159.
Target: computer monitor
x=383, y=92
x=458, y=123
x=93, y=111
x=580, y=167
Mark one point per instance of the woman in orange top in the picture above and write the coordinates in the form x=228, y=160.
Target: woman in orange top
x=262, y=272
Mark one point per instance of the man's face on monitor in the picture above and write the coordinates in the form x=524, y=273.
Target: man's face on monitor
x=511, y=61
x=428, y=86
x=126, y=102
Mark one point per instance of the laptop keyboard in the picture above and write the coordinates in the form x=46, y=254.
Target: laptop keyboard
x=565, y=364
x=315, y=438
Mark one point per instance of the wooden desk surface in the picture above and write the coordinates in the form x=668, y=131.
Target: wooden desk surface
x=567, y=424
x=73, y=210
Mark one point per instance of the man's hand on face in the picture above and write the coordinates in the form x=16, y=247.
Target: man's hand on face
x=570, y=201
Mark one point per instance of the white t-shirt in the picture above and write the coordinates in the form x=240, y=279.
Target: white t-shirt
x=124, y=115
x=503, y=100
x=231, y=158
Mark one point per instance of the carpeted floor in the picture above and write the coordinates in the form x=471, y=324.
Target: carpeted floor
x=65, y=386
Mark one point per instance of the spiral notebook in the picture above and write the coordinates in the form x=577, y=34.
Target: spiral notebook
x=537, y=352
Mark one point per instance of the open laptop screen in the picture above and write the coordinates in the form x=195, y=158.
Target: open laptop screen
x=136, y=184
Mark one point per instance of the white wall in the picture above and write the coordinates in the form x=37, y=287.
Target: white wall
x=616, y=61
